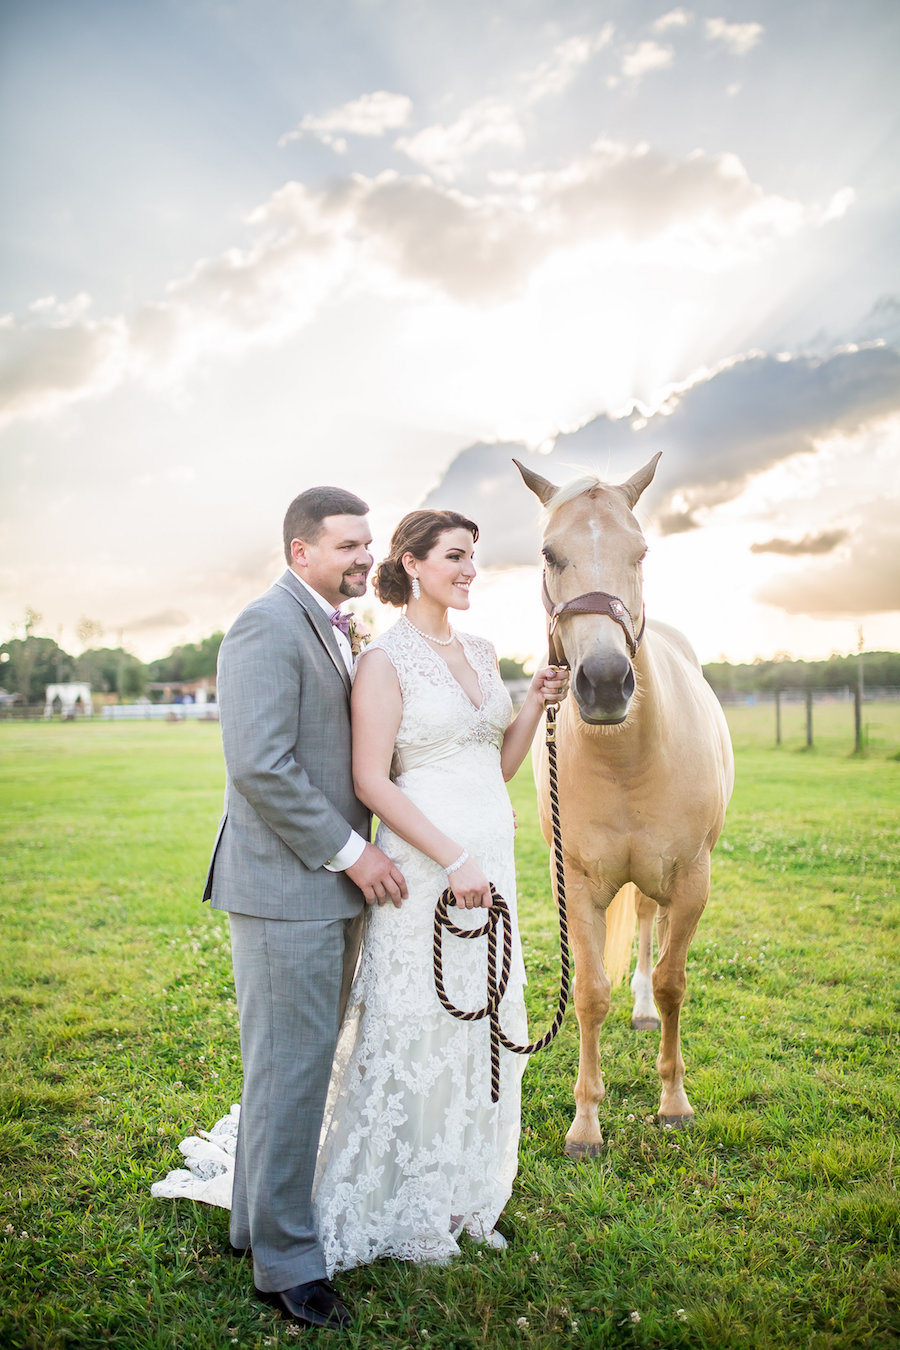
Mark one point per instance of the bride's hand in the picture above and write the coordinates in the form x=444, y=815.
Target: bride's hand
x=550, y=684
x=471, y=888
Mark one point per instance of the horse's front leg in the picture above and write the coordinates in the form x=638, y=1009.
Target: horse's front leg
x=644, y=1016
x=676, y=926
x=587, y=931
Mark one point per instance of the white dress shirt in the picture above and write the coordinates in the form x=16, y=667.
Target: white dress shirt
x=353, y=848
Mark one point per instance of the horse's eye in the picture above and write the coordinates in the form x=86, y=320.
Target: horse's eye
x=550, y=557
x=643, y=555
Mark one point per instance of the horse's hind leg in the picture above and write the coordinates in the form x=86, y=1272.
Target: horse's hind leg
x=587, y=931
x=676, y=925
x=644, y=1016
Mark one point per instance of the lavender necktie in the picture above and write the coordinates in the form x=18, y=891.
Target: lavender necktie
x=341, y=621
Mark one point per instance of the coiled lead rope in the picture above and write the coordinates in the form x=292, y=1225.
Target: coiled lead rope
x=499, y=914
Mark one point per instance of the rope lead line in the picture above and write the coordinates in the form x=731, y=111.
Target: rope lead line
x=499, y=914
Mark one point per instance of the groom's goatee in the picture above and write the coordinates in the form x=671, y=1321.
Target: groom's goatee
x=351, y=580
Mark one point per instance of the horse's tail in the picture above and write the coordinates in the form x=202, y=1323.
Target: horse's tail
x=620, y=924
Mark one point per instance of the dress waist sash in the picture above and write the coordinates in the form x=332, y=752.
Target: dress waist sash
x=414, y=756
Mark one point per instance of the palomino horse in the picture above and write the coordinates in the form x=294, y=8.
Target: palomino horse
x=645, y=774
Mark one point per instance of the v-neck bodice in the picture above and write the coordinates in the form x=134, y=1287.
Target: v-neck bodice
x=439, y=718
x=438, y=656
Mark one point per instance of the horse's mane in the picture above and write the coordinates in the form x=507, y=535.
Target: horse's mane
x=569, y=491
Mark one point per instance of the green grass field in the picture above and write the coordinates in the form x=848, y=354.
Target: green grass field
x=775, y=1221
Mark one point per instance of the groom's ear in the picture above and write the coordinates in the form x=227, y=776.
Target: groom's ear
x=298, y=553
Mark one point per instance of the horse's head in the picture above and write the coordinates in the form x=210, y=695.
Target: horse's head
x=593, y=587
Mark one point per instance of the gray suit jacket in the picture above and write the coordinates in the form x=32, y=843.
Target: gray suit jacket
x=284, y=707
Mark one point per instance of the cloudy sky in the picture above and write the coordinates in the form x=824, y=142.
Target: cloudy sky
x=250, y=245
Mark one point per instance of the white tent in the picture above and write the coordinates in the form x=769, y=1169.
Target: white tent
x=68, y=695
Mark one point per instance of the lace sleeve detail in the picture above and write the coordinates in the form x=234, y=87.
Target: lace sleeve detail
x=376, y=645
x=402, y=653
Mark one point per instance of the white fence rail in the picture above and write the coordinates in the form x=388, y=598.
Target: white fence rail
x=161, y=712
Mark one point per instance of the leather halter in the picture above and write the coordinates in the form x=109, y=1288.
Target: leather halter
x=594, y=602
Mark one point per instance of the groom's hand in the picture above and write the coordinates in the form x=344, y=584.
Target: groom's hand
x=378, y=878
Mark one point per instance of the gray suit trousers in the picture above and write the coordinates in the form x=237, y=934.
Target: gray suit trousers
x=292, y=978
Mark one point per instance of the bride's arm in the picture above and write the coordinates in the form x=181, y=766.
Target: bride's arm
x=547, y=686
x=376, y=708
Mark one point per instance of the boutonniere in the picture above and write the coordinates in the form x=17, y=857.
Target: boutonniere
x=359, y=636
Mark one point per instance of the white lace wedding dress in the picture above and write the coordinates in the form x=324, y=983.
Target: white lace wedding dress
x=412, y=1148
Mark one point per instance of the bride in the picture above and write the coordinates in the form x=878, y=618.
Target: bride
x=413, y=1150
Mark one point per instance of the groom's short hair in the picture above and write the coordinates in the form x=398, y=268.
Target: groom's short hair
x=306, y=512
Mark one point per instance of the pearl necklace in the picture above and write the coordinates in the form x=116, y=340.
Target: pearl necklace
x=441, y=642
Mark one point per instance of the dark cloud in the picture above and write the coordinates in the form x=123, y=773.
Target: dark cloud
x=677, y=522
x=882, y=323
x=865, y=581
x=826, y=542
x=482, y=482
x=716, y=435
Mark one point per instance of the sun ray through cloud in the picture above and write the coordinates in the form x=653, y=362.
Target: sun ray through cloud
x=401, y=252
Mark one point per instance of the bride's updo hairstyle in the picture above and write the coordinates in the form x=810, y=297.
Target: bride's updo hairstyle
x=417, y=534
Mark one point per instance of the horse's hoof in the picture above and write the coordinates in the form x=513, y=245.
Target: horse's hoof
x=676, y=1122
x=580, y=1149
x=645, y=1024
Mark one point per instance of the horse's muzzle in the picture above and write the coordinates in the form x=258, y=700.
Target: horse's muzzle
x=603, y=686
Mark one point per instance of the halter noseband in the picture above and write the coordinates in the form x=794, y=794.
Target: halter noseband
x=594, y=602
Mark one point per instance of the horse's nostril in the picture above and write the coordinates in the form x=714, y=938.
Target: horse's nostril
x=603, y=685
x=610, y=672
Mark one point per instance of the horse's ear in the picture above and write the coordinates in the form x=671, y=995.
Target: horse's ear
x=541, y=487
x=640, y=480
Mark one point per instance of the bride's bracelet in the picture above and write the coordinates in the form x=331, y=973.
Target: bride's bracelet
x=463, y=858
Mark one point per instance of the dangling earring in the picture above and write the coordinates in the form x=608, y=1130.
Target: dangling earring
x=415, y=588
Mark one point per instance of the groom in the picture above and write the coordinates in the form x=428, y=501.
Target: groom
x=292, y=865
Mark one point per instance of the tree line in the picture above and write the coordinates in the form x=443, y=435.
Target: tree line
x=880, y=670
x=28, y=664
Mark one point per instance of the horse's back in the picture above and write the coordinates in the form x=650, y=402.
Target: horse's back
x=676, y=639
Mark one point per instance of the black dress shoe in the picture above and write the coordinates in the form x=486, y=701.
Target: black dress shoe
x=315, y=1304
x=237, y=1252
